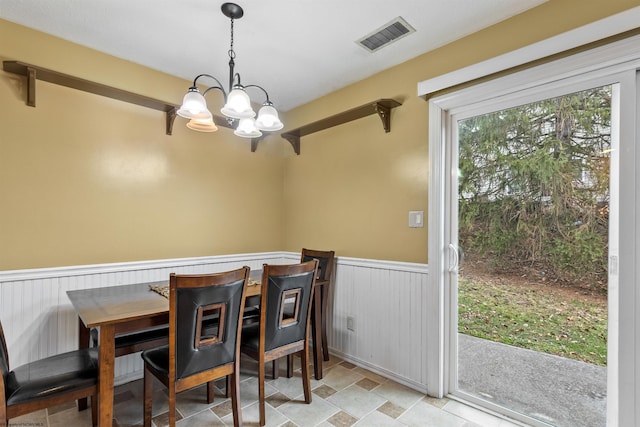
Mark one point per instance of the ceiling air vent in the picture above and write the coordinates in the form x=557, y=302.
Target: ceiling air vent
x=383, y=36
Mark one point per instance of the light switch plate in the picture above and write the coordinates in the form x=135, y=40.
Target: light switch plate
x=416, y=219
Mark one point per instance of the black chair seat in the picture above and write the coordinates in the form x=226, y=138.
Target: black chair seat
x=157, y=359
x=58, y=374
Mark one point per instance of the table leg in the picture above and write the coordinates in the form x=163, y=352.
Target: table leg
x=316, y=330
x=83, y=342
x=107, y=362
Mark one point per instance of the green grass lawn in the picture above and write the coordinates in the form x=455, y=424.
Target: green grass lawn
x=535, y=317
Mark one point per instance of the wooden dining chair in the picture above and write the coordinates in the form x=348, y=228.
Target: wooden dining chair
x=283, y=328
x=324, y=279
x=205, y=322
x=47, y=382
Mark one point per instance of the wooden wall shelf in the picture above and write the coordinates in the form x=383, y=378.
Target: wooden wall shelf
x=33, y=73
x=382, y=107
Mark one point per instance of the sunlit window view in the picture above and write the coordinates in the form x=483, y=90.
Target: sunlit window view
x=533, y=223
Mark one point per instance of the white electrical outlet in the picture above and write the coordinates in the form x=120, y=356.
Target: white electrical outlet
x=351, y=323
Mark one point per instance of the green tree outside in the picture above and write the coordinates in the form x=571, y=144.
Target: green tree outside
x=534, y=187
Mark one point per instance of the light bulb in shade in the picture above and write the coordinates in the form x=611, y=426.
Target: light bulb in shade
x=203, y=124
x=268, y=118
x=238, y=105
x=247, y=129
x=193, y=104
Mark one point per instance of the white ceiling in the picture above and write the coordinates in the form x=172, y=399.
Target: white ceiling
x=298, y=50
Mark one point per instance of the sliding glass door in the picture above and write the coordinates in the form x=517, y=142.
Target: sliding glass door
x=532, y=273
x=532, y=195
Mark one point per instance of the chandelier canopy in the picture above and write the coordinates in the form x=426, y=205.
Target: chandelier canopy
x=237, y=105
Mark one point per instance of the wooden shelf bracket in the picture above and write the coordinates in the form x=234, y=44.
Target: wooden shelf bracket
x=384, y=112
x=254, y=143
x=382, y=107
x=33, y=73
x=294, y=140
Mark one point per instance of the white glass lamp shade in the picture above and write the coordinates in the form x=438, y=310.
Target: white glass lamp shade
x=268, y=119
x=238, y=105
x=247, y=129
x=193, y=104
x=203, y=124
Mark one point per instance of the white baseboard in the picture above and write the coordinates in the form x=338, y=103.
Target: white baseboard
x=422, y=388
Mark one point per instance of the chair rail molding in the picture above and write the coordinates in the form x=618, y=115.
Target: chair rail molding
x=81, y=270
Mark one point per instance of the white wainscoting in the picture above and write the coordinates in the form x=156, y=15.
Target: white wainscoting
x=39, y=320
x=386, y=299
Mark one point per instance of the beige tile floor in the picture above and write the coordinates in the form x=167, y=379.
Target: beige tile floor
x=347, y=396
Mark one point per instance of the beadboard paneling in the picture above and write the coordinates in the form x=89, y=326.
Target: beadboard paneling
x=39, y=321
x=386, y=299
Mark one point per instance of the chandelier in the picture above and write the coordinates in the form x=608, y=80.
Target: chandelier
x=237, y=102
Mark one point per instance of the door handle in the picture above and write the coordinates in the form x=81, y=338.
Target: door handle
x=453, y=266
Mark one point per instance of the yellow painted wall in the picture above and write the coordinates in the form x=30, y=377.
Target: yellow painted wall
x=353, y=185
x=85, y=179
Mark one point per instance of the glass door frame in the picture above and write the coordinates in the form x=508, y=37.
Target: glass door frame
x=562, y=76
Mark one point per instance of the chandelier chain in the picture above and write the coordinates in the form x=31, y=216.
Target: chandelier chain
x=232, y=53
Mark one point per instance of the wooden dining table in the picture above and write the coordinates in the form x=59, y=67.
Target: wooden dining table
x=129, y=308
